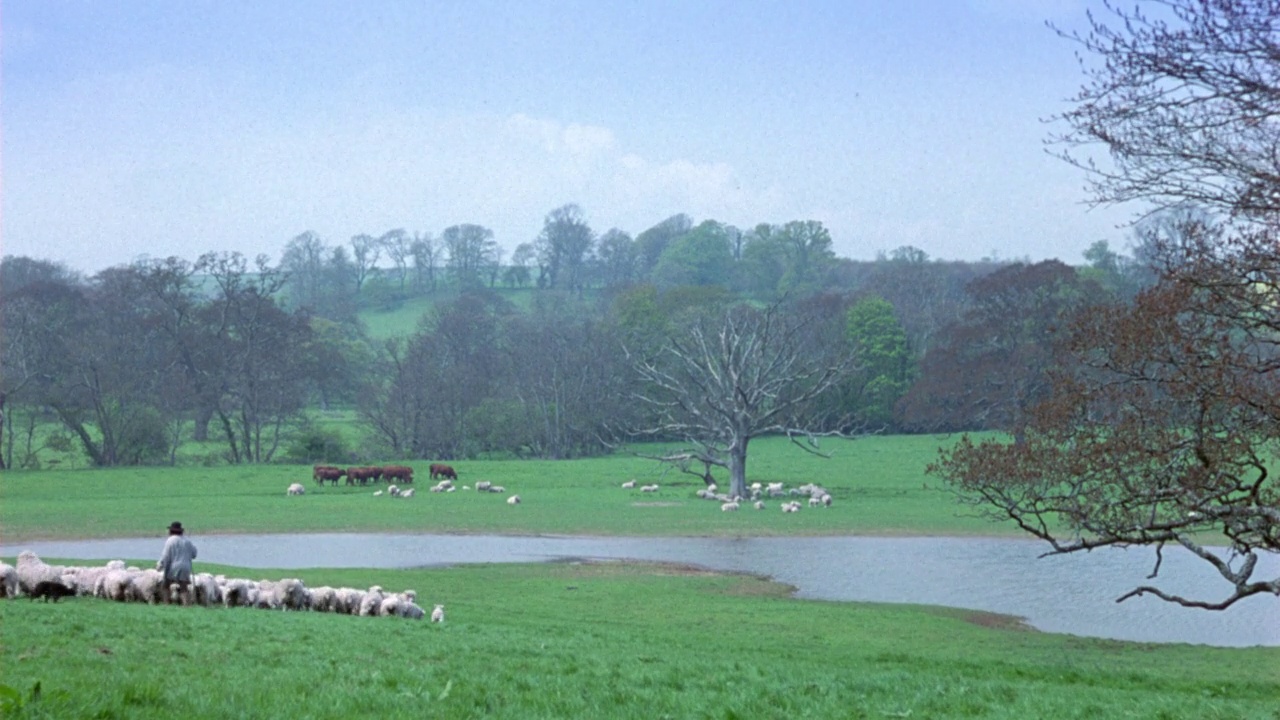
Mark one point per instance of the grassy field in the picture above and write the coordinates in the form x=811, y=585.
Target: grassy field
x=599, y=641
x=878, y=485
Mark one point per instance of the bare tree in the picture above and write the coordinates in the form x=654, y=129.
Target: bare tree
x=726, y=379
x=1185, y=98
x=400, y=249
x=365, y=251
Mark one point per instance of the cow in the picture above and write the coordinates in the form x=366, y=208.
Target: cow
x=402, y=473
x=361, y=475
x=444, y=471
x=320, y=473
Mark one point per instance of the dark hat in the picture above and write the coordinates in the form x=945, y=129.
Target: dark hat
x=175, y=528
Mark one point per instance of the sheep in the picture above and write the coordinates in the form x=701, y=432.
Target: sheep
x=286, y=594
x=711, y=487
x=146, y=586
x=790, y=507
x=114, y=585
x=296, y=489
x=52, y=589
x=412, y=611
x=815, y=502
x=324, y=599
x=8, y=580
x=450, y=489
x=349, y=601
x=483, y=485
x=377, y=493
x=32, y=570
x=629, y=485
x=729, y=507
x=205, y=590
x=407, y=493
x=238, y=592
x=755, y=487
x=393, y=490
x=649, y=488
x=497, y=489
x=390, y=606
x=759, y=505
x=371, y=602
x=513, y=500
x=826, y=499
x=437, y=614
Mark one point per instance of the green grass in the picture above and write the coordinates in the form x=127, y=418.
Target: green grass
x=600, y=641
x=878, y=485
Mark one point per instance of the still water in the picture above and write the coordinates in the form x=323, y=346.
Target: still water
x=1067, y=594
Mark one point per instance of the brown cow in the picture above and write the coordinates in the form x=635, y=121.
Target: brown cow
x=438, y=470
x=402, y=473
x=320, y=473
x=361, y=475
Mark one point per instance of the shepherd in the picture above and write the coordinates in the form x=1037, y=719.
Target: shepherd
x=175, y=564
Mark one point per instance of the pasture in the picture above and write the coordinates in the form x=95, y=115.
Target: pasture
x=608, y=640
x=877, y=483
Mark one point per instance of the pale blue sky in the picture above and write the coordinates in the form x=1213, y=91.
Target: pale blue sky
x=172, y=128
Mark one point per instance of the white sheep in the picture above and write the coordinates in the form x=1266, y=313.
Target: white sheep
x=790, y=507
x=32, y=571
x=236, y=593
x=629, y=485
x=205, y=590
x=407, y=493
x=376, y=493
x=390, y=606
x=296, y=489
x=349, y=601
x=393, y=490
x=711, y=487
x=497, y=489
x=729, y=507
x=412, y=611
x=483, y=485
x=371, y=602
x=146, y=586
x=437, y=614
x=755, y=486
x=114, y=585
x=825, y=499
x=513, y=500
x=287, y=594
x=8, y=580
x=815, y=501
x=324, y=599
x=759, y=505
x=649, y=488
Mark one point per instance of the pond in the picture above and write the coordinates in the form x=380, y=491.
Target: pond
x=1067, y=594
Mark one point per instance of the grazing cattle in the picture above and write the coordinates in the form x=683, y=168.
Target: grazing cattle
x=361, y=475
x=444, y=471
x=320, y=473
x=402, y=473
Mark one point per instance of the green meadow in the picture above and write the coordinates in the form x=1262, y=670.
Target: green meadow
x=567, y=640
x=599, y=641
x=878, y=486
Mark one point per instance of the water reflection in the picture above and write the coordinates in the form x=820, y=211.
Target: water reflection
x=1072, y=594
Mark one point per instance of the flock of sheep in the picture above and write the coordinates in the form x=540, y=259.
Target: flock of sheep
x=818, y=495
x=35, y=578
x=444, y=486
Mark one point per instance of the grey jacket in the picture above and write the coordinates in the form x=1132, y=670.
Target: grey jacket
x=175, y=561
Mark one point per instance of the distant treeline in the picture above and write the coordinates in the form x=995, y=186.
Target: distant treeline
x=129, y=364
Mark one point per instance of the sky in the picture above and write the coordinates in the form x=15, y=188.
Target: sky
x=152, y=128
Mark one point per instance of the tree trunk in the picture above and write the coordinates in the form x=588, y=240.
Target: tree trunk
x=738, y=468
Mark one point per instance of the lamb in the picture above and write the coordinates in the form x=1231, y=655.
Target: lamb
x=376, y=493
x=393, y=490
x=649, y=488
x=729, y=507
x=437, y=614
x=8, y=580
x=513, y=500
x=759, y=505
x=629, y=485
x=790, y=507
x=407, y=493
x=497, y=489
x=51, y=589
x=483, y=485
x=296, y=489
x=825, y=499
x=815, y=501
